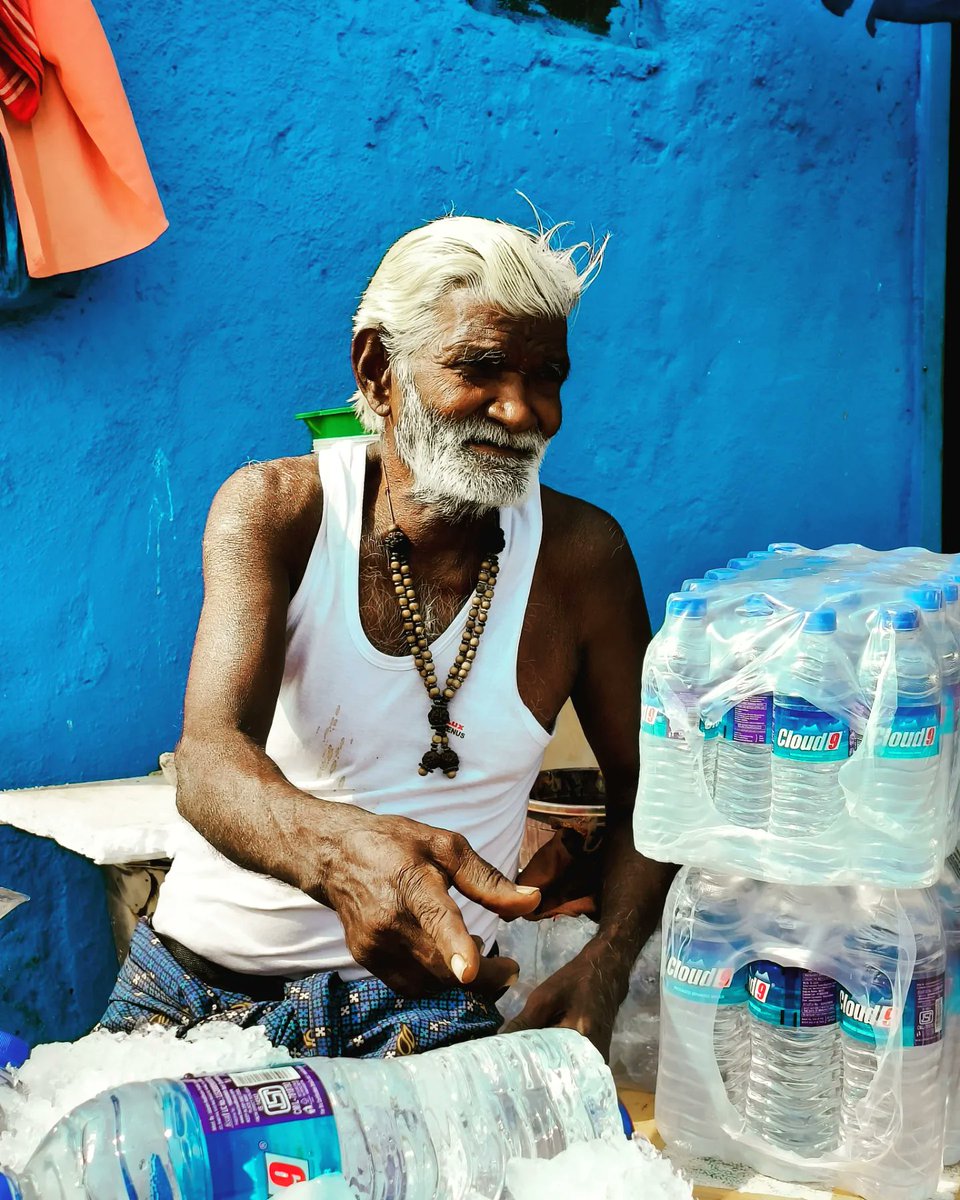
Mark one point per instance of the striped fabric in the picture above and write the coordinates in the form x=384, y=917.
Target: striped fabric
x=21, y=67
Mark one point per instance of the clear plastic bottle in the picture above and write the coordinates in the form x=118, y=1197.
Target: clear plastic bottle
x=702, y=938
x=440, y=1125
x=742, y=790
x=899, y=801
x=928, y=598
x=948, y=893
x=902, y=1117
x=809, y=744
x=793, y=1086
x=676, y=782
x=951, y=610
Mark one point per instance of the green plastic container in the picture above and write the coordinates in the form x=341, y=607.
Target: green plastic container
x=333, y=422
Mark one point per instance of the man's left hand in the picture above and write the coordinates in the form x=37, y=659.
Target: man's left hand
x=585, y=995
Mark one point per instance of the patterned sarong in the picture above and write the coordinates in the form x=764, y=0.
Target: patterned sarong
x=321, y=1015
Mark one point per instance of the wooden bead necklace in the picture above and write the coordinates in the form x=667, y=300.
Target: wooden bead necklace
x=440, y=756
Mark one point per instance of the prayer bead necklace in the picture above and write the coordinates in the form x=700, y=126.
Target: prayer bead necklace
x=440, y=755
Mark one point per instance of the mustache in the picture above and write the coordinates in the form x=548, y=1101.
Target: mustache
x=477, y=429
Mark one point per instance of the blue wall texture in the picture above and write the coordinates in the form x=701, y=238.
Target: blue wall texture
x=745, y=368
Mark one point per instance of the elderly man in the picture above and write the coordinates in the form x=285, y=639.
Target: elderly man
x=389, y=630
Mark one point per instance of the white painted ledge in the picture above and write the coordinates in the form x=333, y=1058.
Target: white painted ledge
x=116, y=821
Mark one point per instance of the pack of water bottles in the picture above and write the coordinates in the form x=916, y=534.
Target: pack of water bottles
x=804, y=1031
x=799, y=718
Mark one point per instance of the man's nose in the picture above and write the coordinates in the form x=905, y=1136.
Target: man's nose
x=514, y=405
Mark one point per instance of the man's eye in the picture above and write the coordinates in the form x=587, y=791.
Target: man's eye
x=482, y=368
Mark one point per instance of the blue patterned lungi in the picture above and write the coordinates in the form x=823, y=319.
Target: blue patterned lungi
x=321, y=1014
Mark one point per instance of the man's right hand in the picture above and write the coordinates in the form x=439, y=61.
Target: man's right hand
x=390, y=889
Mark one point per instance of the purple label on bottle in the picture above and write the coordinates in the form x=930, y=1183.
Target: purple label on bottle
x=265, y=1130
x=750, y=722
x=870, y=1018
x=791, y=997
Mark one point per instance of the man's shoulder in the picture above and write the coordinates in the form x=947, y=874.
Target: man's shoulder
x=268, y=500
x=276, y=489
x=576, y=529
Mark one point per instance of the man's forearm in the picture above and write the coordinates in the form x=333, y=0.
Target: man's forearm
x=631, y=903
x=233, y=793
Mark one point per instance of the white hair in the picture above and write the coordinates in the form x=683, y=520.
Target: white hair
x=518, y=271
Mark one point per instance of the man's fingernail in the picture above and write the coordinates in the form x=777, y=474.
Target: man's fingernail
x=458, y=965
x=527, y=891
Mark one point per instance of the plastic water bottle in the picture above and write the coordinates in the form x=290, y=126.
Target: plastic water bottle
x=809, y=744
x=742, y=791
x=436, y=1125
x=675, y=782
x=948, y=893
x=793, y=1087
x=951, y=611
x=929, y=599
x=903, y=1123
x=703, y=936
x=900, y=795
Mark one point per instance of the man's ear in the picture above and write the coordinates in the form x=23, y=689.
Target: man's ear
x=371, y=369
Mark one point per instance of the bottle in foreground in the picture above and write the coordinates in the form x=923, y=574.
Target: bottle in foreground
x=442, y=1124
x=893, y=1096
x=793, y=1087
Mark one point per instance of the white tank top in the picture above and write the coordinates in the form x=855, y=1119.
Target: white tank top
x=351, y=726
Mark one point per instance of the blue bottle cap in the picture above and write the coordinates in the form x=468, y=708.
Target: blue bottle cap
x=928, y=596
x=821, y=620
x=741, y=564
x=14, y=1051
x=950, y=592
x=720, y=573
x=685, y=604
x=899, y=616
x=625, y=1120
x=759, y=555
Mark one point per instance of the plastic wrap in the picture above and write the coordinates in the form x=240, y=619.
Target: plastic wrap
x=799, y=715
x=889, y=1139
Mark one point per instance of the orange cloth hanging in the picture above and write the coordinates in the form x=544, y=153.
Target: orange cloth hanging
x=83, y=188
x=21, y=68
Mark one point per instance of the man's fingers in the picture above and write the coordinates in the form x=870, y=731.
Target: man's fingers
x=480, y=881
x=540, y=1012
x=426, y=899
x=494, y=975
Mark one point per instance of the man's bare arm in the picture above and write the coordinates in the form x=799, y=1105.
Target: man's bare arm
x=387, y=877
x=587, y=992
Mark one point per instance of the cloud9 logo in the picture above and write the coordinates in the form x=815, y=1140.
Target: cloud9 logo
x=880, y=1016
x=699, y=977
x=910, y=739
x=809, y=743
x=758, y=988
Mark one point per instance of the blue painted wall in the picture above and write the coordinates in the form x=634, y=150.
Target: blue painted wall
x=745, y=368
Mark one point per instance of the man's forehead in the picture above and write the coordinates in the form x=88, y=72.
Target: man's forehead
x=462, y=318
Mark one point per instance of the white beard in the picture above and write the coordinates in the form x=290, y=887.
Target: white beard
x=450, y=476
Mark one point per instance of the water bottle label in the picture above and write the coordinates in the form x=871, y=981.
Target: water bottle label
x=265, y=1130
x=654, y=721
x=694, y=974
x=949, y=707
x=791, y=996
x=750, y=721
x=870, y=1019
x=804, y=733
x=914, y=733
